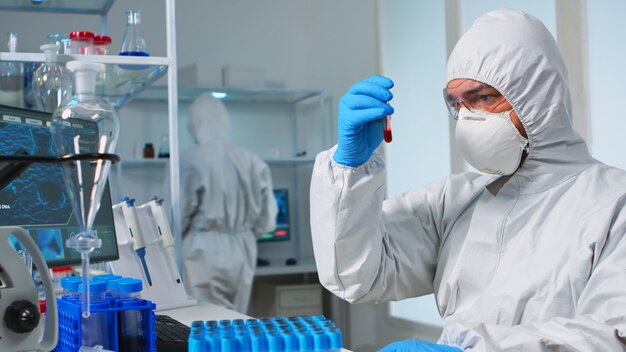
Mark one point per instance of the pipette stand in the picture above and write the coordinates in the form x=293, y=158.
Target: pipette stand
x=165, y=291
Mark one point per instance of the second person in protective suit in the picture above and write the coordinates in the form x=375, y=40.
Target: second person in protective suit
x=227, y=201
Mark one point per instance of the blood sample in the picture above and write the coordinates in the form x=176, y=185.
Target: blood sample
x=387, y=130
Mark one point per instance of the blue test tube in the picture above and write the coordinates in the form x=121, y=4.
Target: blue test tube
x=95, y=328
x=131, y=337
x=107, y=278
x=70, y=287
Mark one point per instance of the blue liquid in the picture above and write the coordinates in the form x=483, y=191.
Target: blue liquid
x=133, y=53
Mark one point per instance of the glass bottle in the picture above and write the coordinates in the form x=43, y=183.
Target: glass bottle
x=148, y=151
x=133, y=43
x=164, y=147
x=12, y=78
x=53, y=82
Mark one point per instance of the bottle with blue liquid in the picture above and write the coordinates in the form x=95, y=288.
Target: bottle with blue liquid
x=133, y=43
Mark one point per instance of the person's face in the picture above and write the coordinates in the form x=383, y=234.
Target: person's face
x=474, y=95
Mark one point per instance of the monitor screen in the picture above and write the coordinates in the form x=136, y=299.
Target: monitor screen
x=281, y=233
x=37, y=199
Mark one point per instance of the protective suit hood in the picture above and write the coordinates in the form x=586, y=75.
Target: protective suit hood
x=515, y=53
x=208, y=120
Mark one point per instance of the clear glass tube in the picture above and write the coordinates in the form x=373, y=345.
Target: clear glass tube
x=12, y=77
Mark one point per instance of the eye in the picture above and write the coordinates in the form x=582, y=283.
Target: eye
x=484, y=98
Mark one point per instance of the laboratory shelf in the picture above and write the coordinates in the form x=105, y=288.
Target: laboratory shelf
x=90, y=7
x=246, y=95
x=143, y=162
x=120, y=85
x=164, y=161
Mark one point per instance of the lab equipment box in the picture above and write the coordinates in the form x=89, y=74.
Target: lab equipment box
x=271, y=299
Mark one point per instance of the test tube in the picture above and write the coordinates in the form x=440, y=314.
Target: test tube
x=107, y=278
x=387, y=129
x=95, y=328
x=70, y=286
x=132, y=337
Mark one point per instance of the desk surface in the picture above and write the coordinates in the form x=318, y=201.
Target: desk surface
x=204, y=311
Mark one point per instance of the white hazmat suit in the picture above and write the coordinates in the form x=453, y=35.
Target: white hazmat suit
x=531, y=262
x=227, y=202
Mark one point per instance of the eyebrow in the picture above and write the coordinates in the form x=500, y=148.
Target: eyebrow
x=471, y=91
x=477, y=89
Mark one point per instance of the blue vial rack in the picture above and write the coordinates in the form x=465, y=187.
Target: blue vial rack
x=307, y=333
x=70, y=331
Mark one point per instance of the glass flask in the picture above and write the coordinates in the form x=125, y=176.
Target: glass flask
x=53, y=82
x=133, y=43
x=12, y=78
x=85, y=124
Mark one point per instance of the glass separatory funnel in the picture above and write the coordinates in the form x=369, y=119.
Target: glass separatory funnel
x=85, y=178
x=53, y=82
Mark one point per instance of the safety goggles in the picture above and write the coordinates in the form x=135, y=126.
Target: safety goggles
x=482, y=98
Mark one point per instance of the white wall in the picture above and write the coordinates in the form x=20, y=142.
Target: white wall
x=414, y=56
x=607, y=74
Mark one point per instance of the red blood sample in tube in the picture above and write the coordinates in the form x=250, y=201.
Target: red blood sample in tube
x=387, y=130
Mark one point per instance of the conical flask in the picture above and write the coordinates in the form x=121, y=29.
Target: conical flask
x=85, y=124
x=53, y=82
x=133, y=42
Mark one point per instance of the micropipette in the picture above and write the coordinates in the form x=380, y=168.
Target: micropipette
x=167, y=240
x=136, y=236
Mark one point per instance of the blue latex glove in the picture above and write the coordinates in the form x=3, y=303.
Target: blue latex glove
x=361, y=113
x=418, y=346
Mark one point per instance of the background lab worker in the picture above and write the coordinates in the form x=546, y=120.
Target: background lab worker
x=227, y=202
x=520, y=259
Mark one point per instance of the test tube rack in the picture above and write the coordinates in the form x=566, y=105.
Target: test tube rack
x=308, y=333
x=70, y=330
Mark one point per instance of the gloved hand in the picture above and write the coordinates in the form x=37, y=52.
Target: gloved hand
x=361, y=113
x=418, y=346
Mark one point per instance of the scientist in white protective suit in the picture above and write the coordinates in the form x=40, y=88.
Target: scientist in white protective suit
x=227, y=201
x=528, y=256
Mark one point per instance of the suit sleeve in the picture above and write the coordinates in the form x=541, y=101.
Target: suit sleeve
x=368, y=250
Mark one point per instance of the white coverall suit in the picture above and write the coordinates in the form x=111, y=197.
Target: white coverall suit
x=531, y=262
x=227, y=201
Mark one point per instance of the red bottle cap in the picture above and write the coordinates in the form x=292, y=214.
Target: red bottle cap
x=101, y=39
x=81, y=35
x=61, y=269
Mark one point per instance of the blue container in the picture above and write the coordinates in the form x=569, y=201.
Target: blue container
x=130, y=321
x=70, y=320
x=310, y=333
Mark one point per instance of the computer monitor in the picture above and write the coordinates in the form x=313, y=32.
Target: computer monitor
x=37, y=199
x=281, y=233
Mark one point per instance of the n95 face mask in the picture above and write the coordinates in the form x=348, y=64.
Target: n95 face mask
x=489, y=141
